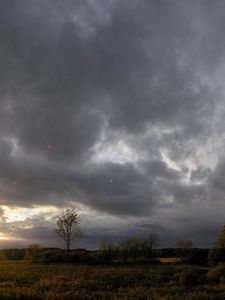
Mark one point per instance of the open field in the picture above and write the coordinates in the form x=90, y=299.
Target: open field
x=22, y=280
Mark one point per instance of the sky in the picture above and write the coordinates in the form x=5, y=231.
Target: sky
x=116, y=108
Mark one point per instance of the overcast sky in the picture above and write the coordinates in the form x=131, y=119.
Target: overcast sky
x=117, y=108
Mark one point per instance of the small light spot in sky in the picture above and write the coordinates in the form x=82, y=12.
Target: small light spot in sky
x=49, y=147
x=16, y=183
x=111, y=180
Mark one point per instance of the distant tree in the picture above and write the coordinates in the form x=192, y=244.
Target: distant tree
x=220, y=242
x=183, y=244
x=68, y=227
x=148, y=244
x=152, y=240
x=151, y=243
x=33, y=253
x=130, y=247
x=217, y=253
x=106, y=249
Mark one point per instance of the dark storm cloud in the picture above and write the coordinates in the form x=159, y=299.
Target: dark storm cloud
x=109, y=187
x=150, y=79
x=158, y=168
x=77, y=76
x=119, y=189
x=47, y=82
x=217, y=178
x=59, y=74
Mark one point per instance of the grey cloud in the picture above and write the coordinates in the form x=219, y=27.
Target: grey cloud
x=158, y=168
x=75, y=74
x=217, y=177
x=201, y=174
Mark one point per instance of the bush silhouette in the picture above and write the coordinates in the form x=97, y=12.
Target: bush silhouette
x=189, y=278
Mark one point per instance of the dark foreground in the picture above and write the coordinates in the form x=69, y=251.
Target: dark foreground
x=23, y=280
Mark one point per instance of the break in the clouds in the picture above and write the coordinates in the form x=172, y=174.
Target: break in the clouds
x=114, y=107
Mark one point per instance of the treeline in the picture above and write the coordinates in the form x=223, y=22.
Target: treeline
x=109, y=254
x=130, y=250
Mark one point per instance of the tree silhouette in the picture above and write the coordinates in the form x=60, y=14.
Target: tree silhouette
x=149, y=244
x=106, y=249
x=68, y=227
x=217, y=253
x=183, y=244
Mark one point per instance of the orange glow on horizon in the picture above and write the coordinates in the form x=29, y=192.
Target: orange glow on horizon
x=4, y=237
x=8, y=237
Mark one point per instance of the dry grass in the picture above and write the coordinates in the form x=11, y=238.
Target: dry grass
x=22, y=280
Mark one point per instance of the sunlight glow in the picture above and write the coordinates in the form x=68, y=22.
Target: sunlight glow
x=13, y=214
x=4, y=237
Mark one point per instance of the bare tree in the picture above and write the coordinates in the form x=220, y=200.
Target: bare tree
x=130, y=247
x=183, y=247
x=106, y=249
x=68, y=227
x=183, y=244
x=149, y=243
x=152, y=240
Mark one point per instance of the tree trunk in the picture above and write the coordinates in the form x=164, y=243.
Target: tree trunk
x=67, y=251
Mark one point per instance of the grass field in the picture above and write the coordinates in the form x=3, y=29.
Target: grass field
x=22, y=280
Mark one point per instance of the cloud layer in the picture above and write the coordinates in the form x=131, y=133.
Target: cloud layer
x=116, y=107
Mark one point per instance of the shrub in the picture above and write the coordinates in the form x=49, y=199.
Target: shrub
x=217, y=253
x=53, y=256
x=12, y=254
x=80, y=257
x=189, y=277
x=59, y=256
x=217, y=273
x=216, y=256
x=141, y=260
x=197, y=256
x=33, y=253
x=106, y=250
